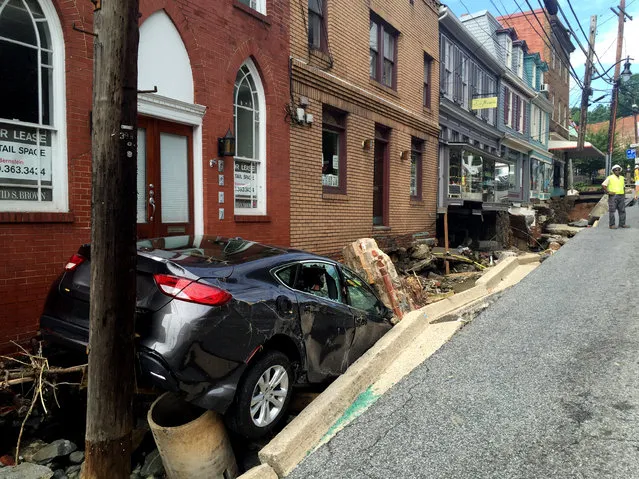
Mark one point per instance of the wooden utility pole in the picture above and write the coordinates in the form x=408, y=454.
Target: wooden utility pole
x=113, y=234
x=587, y=91
x=615, y=88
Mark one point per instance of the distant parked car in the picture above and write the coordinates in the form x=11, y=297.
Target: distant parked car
x=231, y=324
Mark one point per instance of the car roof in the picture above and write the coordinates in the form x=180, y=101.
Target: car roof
x=211, y=251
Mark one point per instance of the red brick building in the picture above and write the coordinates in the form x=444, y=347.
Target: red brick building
x=217, y=64
x=544, y=33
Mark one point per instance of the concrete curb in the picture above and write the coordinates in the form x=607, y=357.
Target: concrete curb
x=303, y=434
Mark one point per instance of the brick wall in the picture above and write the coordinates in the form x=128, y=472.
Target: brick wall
x=323, y=222
x=219, y=35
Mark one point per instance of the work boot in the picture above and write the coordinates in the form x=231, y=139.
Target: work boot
x=624, y=226
x=613, y=227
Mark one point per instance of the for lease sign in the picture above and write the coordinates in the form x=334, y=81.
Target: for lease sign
x=25, y=154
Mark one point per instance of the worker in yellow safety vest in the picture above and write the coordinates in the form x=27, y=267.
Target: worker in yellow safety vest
x=636, y=178
x=614, y=187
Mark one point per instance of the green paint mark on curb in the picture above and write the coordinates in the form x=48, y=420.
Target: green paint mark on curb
x=362, y=402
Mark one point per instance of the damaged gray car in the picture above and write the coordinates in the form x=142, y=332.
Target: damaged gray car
x=230, y=323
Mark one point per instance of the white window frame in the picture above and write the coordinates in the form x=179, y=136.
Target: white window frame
x=59, y=173
x=258, y=5
x=534, y=76
x=520, y=63
x=509, y=52
x=260, y=154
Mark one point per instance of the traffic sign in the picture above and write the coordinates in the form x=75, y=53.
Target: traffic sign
x=631, y=154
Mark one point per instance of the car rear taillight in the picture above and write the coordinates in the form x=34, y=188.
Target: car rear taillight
x=192, y=291
x=74, y=261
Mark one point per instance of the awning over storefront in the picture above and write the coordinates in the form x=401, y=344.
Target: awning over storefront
x=570, y=147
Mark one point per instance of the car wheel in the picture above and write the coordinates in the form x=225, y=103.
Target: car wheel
x=263, y=396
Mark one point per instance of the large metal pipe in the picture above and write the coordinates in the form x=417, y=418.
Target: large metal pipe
x=192, y=441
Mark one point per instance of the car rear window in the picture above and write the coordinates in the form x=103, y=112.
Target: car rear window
x=287, y=275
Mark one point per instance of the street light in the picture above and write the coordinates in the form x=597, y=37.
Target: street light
x=626, y=74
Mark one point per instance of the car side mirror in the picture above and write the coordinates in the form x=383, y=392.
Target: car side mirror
x=387, y=313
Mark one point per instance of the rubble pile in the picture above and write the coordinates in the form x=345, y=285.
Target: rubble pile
x=412, y=277
x=51, y=441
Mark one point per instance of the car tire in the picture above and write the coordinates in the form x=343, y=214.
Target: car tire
x=263, y=396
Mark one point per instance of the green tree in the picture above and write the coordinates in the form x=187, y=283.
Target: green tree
x=628, y=94
x=598, y=114
x=599, y=139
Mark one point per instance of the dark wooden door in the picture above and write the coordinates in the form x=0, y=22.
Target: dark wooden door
x=165, y=178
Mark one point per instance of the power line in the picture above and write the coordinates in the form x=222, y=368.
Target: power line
x=584, y=34
x=566, y=65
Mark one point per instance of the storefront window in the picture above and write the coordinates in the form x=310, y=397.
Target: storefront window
x=489, y=180
x=465, y=175
x=541, y=176
x=505, y=176
x=32, y=163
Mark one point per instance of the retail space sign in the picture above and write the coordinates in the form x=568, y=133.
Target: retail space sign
x=25, y=163
x=25, y=154
x=481, y=103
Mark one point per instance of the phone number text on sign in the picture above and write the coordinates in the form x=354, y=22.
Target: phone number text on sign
x=25, y=153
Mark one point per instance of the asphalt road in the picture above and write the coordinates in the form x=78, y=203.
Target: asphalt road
x=542, y=384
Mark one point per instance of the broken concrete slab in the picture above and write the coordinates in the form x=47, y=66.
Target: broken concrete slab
x=563, y=230
x=582, y=223
x=562, y=240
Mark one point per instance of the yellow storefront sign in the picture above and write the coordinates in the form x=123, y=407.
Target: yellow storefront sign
x=481, y=103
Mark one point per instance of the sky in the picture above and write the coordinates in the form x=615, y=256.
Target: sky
x=605, y=43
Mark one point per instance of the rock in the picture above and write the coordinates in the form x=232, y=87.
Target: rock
x=421, y=251
x=152, y=465
x=435, y=276
x=60, y=447
x=73, y=469
x=26, y=470
x=29, y=450
x=488, y=246
x=59, y=474
x=76, y=457
x=420, y=265
x=554, y=245
x=579, y=224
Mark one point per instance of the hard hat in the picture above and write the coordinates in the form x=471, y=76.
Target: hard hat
x=636, y=166
x=616, y=167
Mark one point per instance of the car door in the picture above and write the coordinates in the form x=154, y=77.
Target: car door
x=326, y=321
x=370, y=316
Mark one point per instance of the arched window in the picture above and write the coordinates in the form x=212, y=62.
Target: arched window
x=250, y=168
x=32, y=157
